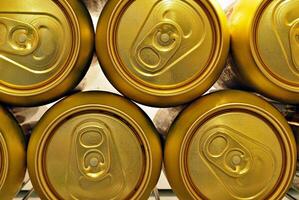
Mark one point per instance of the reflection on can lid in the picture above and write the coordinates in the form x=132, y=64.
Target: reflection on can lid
x=12, y=156
x=94, y=145
x=233, y=141
x=162, y=52
x=45, y=49
x=265, y=37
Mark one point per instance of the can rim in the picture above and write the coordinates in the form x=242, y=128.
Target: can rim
x=137, y=90
x=179, y=138
x=96, y=101
x=67, y=77
x=254, y=49
x=13, y=155
x=249, y=63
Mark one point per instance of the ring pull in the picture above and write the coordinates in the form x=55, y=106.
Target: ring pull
x=17, y=38
x=94, y=163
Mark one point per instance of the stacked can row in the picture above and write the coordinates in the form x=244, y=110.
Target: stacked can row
x=166, y=55
x=97, y=145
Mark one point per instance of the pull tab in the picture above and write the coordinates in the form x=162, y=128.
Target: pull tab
x=294, y=41
x=35, y=47
x=171, y=33
x=93, y=152
x=94, y=166
x=237, y=161
x=17, y=37
x=227, y=154
x=159, y=46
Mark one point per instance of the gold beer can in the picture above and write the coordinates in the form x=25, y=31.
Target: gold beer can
x=95, y=146
x=162, y=53
x=265, y=47
x=12, y=156
x=230, y=145
x=46, y=48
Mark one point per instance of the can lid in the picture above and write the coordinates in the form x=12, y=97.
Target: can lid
x=162, y=53
x=45, y=49
x=268, y=32
x=12, y=155
x=94, y=143
x=233, y=141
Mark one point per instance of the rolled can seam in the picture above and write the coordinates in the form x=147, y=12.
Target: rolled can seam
x=12, y=155
x=111, y=147
x=264, y=39
x=196, y=152
x=165, y=116
x=52, y=50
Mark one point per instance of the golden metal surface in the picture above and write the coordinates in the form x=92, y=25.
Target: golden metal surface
x=233, y=141
x=94, y=145
x=12, y=156
x=45, y=49
x=295, y=129
x=265, y=46
x=162, y=53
